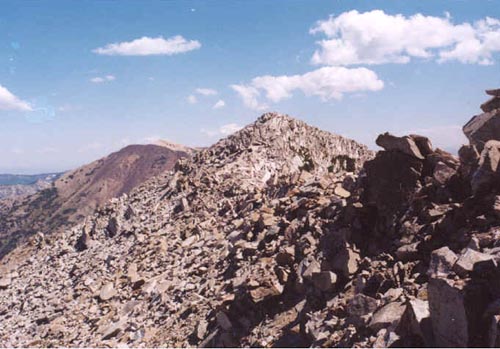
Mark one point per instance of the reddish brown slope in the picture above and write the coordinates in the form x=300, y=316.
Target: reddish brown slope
x=77, y=193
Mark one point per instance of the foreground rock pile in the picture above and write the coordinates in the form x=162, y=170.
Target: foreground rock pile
x=279, y=235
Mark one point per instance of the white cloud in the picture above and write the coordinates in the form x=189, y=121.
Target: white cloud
x=229, y=128
x=192, y=99
x=375, y=38
x=326, y=83
x=146, y=46
x=219, y=104
x=250, y=96
x=8, y=101
x=101, y=79
x=224, y=130
x=206, y=91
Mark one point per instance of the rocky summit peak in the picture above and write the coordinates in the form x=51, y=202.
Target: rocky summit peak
x=279, y=143
x=270, y=116
x=186, y=242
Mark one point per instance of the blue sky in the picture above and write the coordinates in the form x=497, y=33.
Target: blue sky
x=193, y=71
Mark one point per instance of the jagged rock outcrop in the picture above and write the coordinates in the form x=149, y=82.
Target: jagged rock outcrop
x=279, y=235
x=201, y=256
x=485, y=127
x=16, y=186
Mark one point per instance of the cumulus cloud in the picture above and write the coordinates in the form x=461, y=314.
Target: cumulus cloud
x=219, y=104
x=229, y=128
x=147, y=46
x=376, y=37
x=224, y=130
x=9, y=101
x=192, y=99
x=326, y=83
x=206, y=91
x=101, y=79
x=250, y=96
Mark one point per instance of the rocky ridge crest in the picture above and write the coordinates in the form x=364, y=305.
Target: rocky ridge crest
x=280, y=235
x=174, y=253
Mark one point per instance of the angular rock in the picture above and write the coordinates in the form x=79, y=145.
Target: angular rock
x=392, y=179
x=5, y=282
x=443, y=173
x=442, y=262
x=341, y=192
x=286, y=256
x=107, y=292
x=360, y=306
x=486, y=177
x=403, y=144
x=312, y=268
x=448, y=313
x=493, y=92
x=324, y=280
x=223, y=321
x=466, y=261
x=388, y=315
x=490, y=105
x=113, y=227
x=407, y=253
x=346, y=260
x=417, y=322
x=482, y=128
x=113, y=330
x=423, y=143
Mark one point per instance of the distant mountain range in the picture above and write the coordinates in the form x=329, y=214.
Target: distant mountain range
x=15, y=179
x=14, y=186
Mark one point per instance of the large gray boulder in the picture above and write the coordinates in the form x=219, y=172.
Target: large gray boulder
x=482, y=128
x=487, y=176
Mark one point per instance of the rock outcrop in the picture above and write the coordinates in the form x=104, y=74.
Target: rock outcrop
x=201, y=256
x=279, y=235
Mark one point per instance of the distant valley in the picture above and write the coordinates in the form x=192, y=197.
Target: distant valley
x=14, y=185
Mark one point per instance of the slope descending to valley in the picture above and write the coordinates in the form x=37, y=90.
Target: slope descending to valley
x=77, y=193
